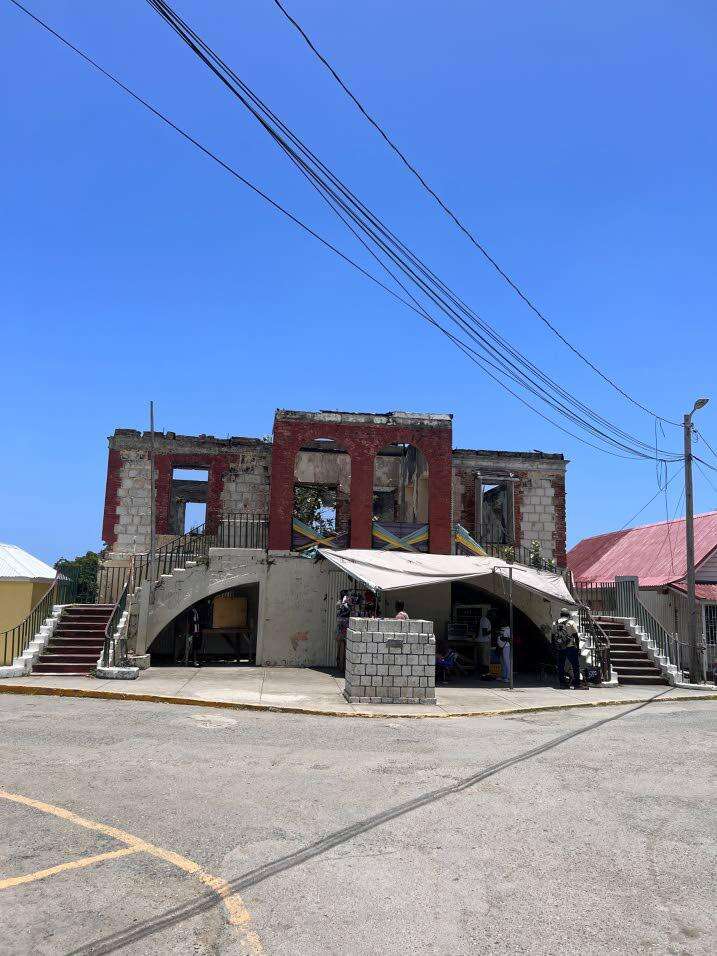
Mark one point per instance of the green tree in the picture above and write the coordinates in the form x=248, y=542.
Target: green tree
x=82, y=571
x=314, y=504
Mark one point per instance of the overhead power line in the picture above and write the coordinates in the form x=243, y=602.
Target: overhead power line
x=458, y=222
x=471, y=354
x=506, y=358
x=647, y=504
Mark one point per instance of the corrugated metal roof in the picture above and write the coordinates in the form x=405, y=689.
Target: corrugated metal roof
x=654, y=553
x=703, y=592
x=19, y=565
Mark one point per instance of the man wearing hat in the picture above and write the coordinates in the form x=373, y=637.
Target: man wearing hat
x=564, y=635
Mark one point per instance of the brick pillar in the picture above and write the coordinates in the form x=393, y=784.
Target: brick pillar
x=281, y=493
x=114, y=479
x=518, y=496
x=560, y=533
x=215, y=488
x=361, y=497
x=163, y=493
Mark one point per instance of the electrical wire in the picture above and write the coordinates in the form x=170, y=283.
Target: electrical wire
x=703, y=439
x=706, y=476
x=458, y=222
x=471, y=354
x=338, y=195
x=647, y=505
x=667, y=538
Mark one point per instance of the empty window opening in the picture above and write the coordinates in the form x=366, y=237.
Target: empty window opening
x=495, y=511
x=322, y=492
x=195, y=515
x=188, y=499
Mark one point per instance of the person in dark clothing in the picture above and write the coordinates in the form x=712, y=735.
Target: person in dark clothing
x=564, y=635
x=194, y=638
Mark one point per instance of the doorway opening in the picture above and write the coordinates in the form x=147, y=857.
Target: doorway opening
x=226, y=624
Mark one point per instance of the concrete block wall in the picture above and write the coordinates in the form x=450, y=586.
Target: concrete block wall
x=390, y=661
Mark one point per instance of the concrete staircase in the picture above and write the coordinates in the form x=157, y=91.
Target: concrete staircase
x=631, y=663
x=77, y=640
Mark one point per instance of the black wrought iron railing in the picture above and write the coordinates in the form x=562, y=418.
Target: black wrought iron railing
x=110, y=650
x=243, y=530
x=522, y=555
x=599, y=646
x=15, y=640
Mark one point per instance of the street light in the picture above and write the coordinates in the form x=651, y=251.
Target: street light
x=697, y=657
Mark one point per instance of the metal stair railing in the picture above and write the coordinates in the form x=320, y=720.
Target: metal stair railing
x=599, y=643
x=191, y=546
x=109, y=649
x=15, y=640
x=630, y=605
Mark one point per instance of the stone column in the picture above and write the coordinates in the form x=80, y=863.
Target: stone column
x=390, y=661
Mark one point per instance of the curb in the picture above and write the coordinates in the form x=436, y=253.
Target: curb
x=33, y=691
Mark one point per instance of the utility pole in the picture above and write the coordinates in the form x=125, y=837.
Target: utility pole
x=146, y=592
x=510, y=624
x=697, y=657
x=152, y=534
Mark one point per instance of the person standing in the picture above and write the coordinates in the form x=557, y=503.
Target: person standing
x=195, y=636
x=504, y=648
x=483, y=639
x=343, y=613
x=564, y=635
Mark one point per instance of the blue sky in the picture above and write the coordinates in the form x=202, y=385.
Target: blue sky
x=577, y=140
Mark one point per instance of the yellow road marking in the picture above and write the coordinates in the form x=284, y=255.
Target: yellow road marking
x=237, y=913
x=62, y=867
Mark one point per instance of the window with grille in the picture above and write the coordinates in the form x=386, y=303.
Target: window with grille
x=711, y=623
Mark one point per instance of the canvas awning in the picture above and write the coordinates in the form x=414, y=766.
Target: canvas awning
x=396, y=570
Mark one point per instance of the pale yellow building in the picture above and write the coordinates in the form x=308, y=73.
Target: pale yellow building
x=24, y=579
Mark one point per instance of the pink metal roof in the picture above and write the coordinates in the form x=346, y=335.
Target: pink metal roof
x=654, y=553
x=703, y=592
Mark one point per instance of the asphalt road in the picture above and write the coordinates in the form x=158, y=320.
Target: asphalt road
x=574, y=832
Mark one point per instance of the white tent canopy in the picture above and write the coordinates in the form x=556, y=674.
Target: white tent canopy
x=396, y=570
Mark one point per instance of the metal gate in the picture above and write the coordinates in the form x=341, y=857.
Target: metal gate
x=337, y=581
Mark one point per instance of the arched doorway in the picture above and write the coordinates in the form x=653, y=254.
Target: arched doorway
x=227, y=623
x=321, y=515
x=400, y=499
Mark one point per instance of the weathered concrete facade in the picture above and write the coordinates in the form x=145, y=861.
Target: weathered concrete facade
x=351, y=452
x=538, y=495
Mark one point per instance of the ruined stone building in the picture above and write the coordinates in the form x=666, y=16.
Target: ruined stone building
x=396, y=467
x=324, y=481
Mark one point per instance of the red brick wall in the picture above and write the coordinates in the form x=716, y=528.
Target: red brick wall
x=362, y=442
x=114, y=479
x=560, y=534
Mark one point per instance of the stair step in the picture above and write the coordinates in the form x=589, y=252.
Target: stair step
x=637, y=669
x=627, y=657
x=640, y=679
x=90, y=658
x=83, y=669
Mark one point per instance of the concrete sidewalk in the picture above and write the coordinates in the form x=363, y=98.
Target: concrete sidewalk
x=308, y=691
